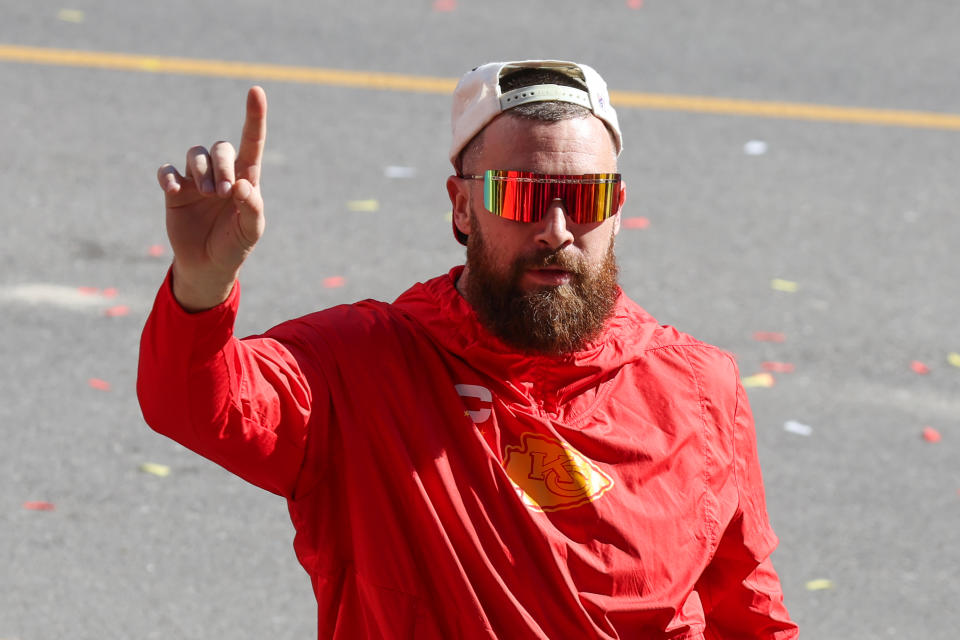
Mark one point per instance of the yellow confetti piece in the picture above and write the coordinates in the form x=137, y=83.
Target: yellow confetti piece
x=759, y=380
x=71, y=15
x=363, y=205
x=819, y=584
x=954, y=359
x=448, y=216
x=161, y=470
x=788, y=286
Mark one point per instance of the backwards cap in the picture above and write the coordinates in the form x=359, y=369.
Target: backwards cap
x=478, y=98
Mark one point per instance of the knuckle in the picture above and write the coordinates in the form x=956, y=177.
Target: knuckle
x=221, y=147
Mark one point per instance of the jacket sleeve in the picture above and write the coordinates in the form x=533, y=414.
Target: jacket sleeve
x=244, y=404
x=739, y=590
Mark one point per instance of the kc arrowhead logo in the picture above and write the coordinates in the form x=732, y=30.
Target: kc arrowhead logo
x=550, y=475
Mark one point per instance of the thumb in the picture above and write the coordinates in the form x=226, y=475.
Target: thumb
x=250, y=211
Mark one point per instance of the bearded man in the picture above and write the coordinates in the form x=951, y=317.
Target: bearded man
x=512, y=450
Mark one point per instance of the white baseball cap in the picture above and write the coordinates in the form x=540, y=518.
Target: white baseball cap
x=478, y=98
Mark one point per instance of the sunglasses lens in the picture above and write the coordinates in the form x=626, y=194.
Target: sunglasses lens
x=525, y=197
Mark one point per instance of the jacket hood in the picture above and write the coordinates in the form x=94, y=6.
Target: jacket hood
x=451, y=322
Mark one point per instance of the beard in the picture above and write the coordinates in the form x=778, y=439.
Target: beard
x=551, y=320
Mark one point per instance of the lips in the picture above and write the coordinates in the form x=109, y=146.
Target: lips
x=549, y=276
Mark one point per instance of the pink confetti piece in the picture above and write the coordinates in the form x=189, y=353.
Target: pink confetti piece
x=110, y=292
x=778, y=367
x=98, y=384
x=636, y=223
x=156, y=250
x=769, y=336
x=334, y=282
x=931, y=435
x=635, y=4
x=919, y=367
x=88, y=291
x=38, y=505
x=117, y=311
x=444, y=5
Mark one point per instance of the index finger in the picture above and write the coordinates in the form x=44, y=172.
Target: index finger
x=254, y=136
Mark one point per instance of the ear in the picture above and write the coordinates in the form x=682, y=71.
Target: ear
x=459, y=193
x=623, y=198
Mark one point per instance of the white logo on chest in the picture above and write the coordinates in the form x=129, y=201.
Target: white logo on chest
x=479, y=393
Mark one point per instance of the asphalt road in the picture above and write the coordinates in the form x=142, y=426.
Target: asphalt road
x=861, y=217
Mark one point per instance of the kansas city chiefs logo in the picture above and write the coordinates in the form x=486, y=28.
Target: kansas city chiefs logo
x=550, y=475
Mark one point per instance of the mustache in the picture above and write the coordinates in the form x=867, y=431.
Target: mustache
x=552, y=258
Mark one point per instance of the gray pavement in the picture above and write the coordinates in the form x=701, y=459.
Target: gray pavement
x=861, y=217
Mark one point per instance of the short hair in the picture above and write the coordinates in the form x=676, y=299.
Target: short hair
x=545, y=111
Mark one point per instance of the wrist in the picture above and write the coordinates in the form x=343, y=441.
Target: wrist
x=199, y=293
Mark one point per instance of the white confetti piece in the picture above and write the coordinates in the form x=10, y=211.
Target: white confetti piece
x=798, y=428
x=755, y=148
x=400, y=172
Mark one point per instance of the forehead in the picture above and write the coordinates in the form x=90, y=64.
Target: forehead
x=572, y=146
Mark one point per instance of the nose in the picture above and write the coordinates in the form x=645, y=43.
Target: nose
x=552, y=231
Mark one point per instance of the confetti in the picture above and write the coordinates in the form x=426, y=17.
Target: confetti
x=444, y=5
x=156, y=250
x=919, y=367
x=363, y=205
x=931, y=435
x=954, y=359
x=797, y=427
x=819, y=584
x=38, y=505
x=635, y=4
x=755, y=148
x=769, y=336
x=778, y=367
x=117, y=311
x=153, y=468
x=788, y=286
x=448, y=216
x=400, y=172
x=759, y=380
x=636, y=223
x=88, y=291
x=109, y=292
x=333, y=282
x=100, y=385
x=71, y=15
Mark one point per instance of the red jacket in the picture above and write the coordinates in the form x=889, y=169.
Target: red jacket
x=443, y=485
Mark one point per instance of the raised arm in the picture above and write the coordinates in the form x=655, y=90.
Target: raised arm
x=245, y=404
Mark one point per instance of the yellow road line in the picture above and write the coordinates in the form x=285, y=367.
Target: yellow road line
x=224, y=69
x=788, y=110
x=398, y=82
